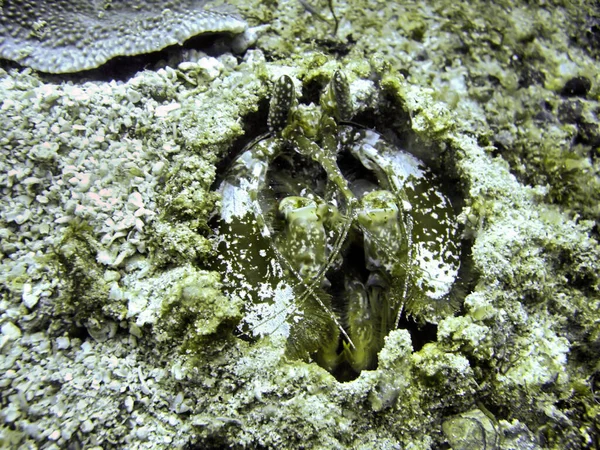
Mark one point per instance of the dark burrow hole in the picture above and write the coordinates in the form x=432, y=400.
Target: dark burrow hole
x=290, y=172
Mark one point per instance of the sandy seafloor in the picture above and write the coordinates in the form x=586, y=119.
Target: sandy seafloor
x=106, y=194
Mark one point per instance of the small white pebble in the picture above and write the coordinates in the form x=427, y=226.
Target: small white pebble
x=112, y=275
x=86, y=347
x=115, y=293
x=126, y=223
x=20, y=219
x=133, y=96
x=105, y=257
x=164, y=110
x=29, y=297
x=10, y=331
x=54, y=436
x=87, y=426
x=63, y=342
x=136, y=200
x=85, y=181
x=128, y=403
x=212, y=67
x=141, y=212
x=11, y=413
x=106, y=193
x=158, y=167
x=63, y=219
x=142, y=433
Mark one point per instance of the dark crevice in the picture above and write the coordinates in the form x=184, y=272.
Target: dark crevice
x=420, y=334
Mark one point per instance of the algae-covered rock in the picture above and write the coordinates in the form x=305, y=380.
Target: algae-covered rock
x=471, y=430
x=195, y=308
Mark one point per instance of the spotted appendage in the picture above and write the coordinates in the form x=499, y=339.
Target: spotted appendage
x=280, y=107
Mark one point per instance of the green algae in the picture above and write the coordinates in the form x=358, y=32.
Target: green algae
x=194, y=310
x=83, y=277
x=471, y=430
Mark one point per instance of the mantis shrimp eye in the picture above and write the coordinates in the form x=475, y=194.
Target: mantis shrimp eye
x=337, y=101
x=281, y=104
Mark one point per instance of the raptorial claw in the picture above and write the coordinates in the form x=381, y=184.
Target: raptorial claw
x=305, y=238
x=384, y=237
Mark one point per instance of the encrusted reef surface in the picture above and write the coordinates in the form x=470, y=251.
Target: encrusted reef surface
x=69, y=36
x=117, y=332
